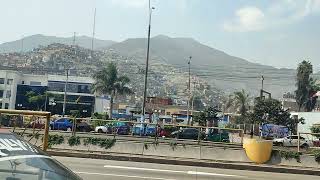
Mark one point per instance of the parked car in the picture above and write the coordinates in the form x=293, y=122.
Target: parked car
x=23, y=161
x=219, y=136
x=292, y=141
x=37, y=124
x=61, y=124
x=188, y=133
x=144, y=129
x=167, y=130
x=84, y=127
x=121, y=128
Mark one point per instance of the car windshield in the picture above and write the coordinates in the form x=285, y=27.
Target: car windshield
x=33, y=167
x=21, y=161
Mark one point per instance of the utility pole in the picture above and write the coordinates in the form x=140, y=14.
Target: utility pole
x=262, y=79
x=192, y=103
x=74, y=38
x=261, y=91
x=189, y=92
x=93, y=29
x=65, y=94
x=147, y=65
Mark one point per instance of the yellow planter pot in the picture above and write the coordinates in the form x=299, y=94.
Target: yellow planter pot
x=258, y=151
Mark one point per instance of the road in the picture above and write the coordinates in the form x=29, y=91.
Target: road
x=98, y=169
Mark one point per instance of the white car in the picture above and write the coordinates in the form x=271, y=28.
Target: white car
x=292, y=141
x=101, y=129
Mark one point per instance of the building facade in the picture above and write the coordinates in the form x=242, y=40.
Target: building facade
x=15, y=85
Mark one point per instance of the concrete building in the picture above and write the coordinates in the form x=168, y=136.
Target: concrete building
x=14, y=85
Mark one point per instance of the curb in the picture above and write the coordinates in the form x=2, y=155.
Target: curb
x=190, y=162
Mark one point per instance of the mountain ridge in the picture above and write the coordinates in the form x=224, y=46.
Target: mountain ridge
x=34, y=41
x=220, y=69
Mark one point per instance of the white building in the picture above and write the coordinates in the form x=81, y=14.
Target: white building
x=13, y=84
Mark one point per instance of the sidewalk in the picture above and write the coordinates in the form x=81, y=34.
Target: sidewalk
x=188, y=162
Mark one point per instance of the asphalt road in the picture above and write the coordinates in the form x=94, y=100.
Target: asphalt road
x=97, y=169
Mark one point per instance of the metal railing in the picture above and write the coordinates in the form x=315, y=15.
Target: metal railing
x=47, y=116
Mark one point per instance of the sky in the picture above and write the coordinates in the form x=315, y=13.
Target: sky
x=280, y=33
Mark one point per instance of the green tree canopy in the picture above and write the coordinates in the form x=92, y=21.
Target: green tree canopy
x=108, y=82
x=271, y=111
x=304, y=84
x=241, y=101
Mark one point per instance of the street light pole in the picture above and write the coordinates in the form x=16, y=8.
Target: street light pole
x=189, y=92
x=147, y=65
x=65, y=95
x=262, y=79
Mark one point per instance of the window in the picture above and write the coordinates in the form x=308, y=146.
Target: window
x=9, y=81
x=190, y=131
x=61, y=120
x=168, y=113
x=1, y=80
x=6, y=105
x=35, y=83
x=8, y=95
x=293, y=137
x=22, y=82
x=1, y=93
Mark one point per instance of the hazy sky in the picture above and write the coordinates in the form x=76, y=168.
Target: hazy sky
x=272, y=32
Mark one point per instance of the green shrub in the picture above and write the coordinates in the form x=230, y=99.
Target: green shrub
x=316, y=154
x=102, y=142
x=173, y=145
x=54, y=139
x=290, y=155
x=74, y=141
x=315, y=129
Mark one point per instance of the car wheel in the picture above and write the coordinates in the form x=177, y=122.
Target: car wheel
x=68, y=129
x=100, y=131
x=305, y=146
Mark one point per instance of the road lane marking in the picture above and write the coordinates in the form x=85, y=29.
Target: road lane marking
x=211, y=174
x=172, y=171
x=142, y=169
x=121, y=175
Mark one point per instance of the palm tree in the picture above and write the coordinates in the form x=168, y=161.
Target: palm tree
x=228, y=103
x=108, y=82
x=241, y=101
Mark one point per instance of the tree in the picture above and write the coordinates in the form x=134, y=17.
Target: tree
x=197, y=103
x=37, y=101
x=107, y=81
x=210, y=114
x=312, y=99
x=200, y=118
x=271, y=111
x=241, y=101
x=228, y=102
x=303, y=84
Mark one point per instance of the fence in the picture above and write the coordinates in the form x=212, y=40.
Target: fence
x=33, y=124
x=15, y=122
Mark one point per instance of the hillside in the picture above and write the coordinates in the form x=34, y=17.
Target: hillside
x=218, y=68
x=37, y=40
x=169, y=57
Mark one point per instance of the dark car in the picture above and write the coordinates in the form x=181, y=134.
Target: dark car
x=84, y=127
x=19, y=160
x=188, y=133
x=121, y=128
